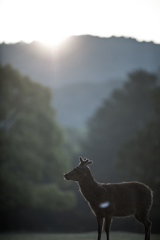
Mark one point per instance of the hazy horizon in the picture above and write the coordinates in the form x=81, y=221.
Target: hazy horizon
x=52, y=21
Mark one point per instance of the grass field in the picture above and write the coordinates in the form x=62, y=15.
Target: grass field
x=87, y=236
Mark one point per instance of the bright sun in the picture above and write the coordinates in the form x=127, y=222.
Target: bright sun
x=50, y=23
x=44, y=21
x=52, y=39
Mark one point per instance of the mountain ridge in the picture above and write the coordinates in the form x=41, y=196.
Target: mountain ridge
x=80, y=61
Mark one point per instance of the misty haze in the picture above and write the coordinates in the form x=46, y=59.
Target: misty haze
x=91, y=97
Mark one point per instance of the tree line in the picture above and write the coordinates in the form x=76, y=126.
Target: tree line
x=32, y=156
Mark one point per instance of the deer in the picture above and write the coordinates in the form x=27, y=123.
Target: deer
x=108, y=200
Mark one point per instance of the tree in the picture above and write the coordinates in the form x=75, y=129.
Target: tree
x=139, y=157
x=32, y=156
x=120, y=117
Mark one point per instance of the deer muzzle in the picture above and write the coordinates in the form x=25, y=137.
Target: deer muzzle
x=66, y=177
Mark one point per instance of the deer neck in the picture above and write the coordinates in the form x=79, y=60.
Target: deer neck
x=89, y=188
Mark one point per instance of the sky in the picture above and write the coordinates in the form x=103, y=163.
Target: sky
x=52, y=21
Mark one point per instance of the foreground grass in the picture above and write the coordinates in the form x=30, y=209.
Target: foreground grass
x=88, y=236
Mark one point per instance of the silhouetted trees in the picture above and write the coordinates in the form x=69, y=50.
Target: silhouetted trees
x=118, y=119
x=139, y=157
x=32, y=156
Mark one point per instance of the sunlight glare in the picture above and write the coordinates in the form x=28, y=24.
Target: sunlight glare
x=52, y=40
x=52, y=21
x=50, y=29
x=43, y=21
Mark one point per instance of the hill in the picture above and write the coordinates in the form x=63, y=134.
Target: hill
x=83, y=71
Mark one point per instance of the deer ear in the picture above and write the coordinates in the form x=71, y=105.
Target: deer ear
x=84, y=161
x=89, y=162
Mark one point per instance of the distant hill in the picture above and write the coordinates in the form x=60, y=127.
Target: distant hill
x=83, y=71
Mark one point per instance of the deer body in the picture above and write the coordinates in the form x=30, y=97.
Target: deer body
x=113, y=199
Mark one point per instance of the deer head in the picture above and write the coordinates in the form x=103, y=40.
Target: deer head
x=80, y=172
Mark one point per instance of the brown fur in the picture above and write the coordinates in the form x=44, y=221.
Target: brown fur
x=113, y=199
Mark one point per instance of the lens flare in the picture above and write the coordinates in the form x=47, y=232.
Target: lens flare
x=104, y=204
